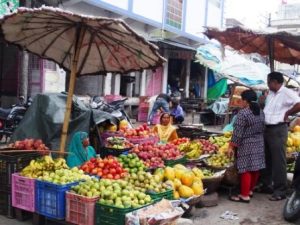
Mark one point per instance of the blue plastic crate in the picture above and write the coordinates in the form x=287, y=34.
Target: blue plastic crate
x=50, y=199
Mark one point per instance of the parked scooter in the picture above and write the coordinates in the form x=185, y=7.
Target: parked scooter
x=291, y=211
x=11, y=117
x=115, y=108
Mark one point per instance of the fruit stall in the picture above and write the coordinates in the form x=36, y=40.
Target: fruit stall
x=134, y=177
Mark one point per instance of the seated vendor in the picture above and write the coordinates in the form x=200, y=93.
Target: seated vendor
x=165, y=130
x=80, y=150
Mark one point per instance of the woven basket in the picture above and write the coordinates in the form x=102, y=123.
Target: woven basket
x=212, y=184
x=231, y=176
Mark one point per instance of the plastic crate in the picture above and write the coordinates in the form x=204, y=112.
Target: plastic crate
x=5, y=204
x=12, y=162
x=110, y=215
x=159, y=196
x=181, y=160
x=104, y=151
x=50, y=199
x=80, y=209
x=23, y=192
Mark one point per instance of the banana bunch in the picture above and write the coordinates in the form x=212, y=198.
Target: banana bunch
x=192, y=149
x=221, y=140
x=38, y=167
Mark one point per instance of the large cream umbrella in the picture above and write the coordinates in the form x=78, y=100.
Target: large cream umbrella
x=83, y=45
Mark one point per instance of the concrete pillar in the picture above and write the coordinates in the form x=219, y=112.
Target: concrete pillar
x=137, y=84
x=165, y=77
x=117, y=84
x=107, y=84
x=187, y=78
x=205, y=84
x=143, y=83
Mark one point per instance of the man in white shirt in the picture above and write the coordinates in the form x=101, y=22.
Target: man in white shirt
x=281, y=102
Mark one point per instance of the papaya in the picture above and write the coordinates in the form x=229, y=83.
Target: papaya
x=179, y=166
x=185, y=191
x=187, y=178
x=176, y=195
x=177, y=183
x=179, y=173
x=169, y=173
x=198, y=188
x=159, y=172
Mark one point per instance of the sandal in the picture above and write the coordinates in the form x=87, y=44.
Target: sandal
x=263, y=189
x=238, y=198
x=277, y=198
x=251, y=194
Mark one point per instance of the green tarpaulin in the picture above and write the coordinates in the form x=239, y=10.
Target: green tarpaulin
x=44, y=119
x=217, y=90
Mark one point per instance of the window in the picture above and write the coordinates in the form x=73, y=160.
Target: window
x=34, y=62
x=174, y=13
x=216, y=3
x=49, y=65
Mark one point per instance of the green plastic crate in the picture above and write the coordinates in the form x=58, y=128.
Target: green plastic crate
x=110, y=215
x=176, y=161
x=159, y=196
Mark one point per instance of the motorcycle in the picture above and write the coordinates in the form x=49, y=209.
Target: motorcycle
x=115, y=108
x=11, y=117
x=291, y=211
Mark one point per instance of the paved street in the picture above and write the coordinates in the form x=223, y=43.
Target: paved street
x=260, y=211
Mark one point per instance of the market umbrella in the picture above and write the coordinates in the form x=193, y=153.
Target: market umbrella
x=83, y=45
x=281, y=46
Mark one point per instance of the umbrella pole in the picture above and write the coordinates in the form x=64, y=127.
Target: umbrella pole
x=271, y=53
x=64, y=134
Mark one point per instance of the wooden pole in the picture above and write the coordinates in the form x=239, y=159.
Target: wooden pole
x=271, y=53
x=79, y=38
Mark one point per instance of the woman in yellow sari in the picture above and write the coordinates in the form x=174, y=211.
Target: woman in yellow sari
x=165, y=130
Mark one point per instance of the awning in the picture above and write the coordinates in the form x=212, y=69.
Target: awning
x=233, y=66
x=168, y=44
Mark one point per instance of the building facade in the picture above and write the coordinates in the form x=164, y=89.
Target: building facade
x=176, y=26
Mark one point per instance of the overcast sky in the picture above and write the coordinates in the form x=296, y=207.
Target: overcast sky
x=252, y=13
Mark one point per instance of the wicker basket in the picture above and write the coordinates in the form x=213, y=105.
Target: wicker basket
x=231, y=176
x=212, y=184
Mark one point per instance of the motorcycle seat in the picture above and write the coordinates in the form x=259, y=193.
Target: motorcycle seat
x=4, y=113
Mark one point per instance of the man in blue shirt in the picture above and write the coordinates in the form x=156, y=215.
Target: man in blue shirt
x=177, y=112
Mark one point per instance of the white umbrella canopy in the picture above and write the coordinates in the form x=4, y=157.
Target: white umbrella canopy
x=84, y=45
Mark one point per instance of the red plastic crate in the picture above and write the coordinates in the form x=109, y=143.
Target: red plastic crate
x=80, y=209
x=23, y=192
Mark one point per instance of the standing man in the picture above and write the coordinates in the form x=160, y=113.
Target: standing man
x=162, y=102
x=281, y=102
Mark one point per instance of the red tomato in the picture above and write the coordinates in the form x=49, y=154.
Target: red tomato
x=105, y=171
x=109, y=176
x=119, y=170
x=94, y=171
x=117, y=176
x=122, y=175
x=113, y=171
x=99, y=174
x=100, y=164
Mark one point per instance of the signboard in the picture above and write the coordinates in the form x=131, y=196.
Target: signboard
x=8, y=6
